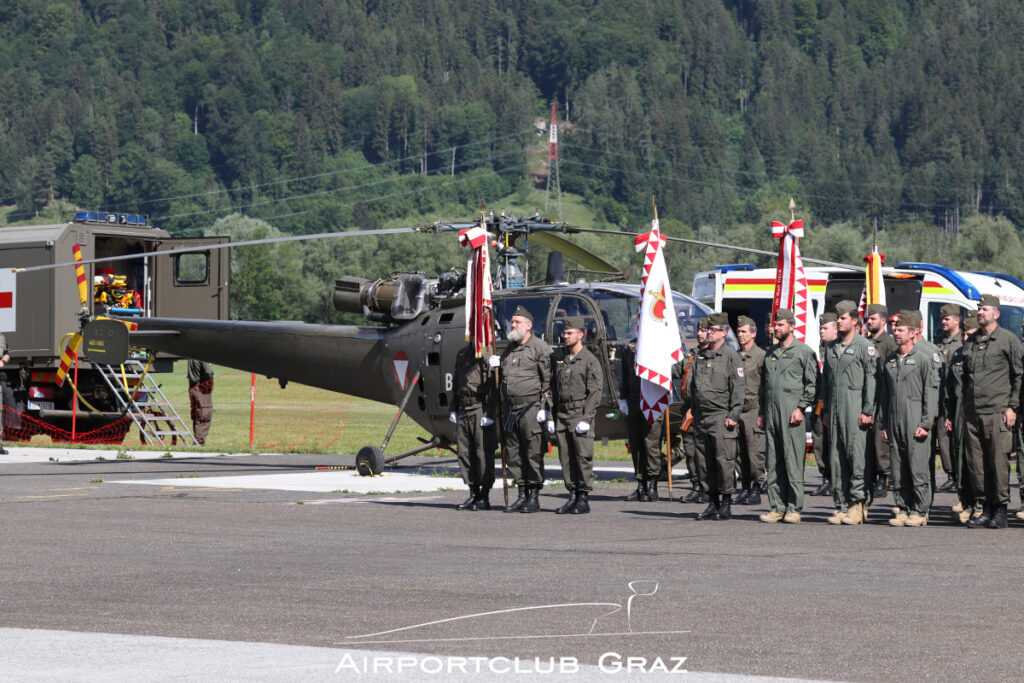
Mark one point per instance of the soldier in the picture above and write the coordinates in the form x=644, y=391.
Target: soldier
x=751, y=443
x=878, y=462
x=951, y=399
x=992, y=381
x=644, y=438
x=200, y=398
x=4, y=360
x=475, y=433
x=695, y=461
x=943, y=438
x=576, y=385
x=827, y=332
x=787, y=389
x=848, y=405
x=526, y=395
x=715, y=392
x=909, y=397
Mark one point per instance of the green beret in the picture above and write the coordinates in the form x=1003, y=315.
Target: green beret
x=909, y=319
x=703, y=323
x=846, y=306
x=744, y=320
x=989, y=300
x=971, y=320
x=721, y=319
x=575, y=323
x=522, y=313
x=879, y=309
x=949, y=309
x=826, y=318
x=784, y=314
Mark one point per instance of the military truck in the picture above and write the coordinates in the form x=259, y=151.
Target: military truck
x=39, y=309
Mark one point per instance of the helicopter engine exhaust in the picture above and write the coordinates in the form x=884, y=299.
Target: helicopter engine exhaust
x=396, y=298
x=555, y=273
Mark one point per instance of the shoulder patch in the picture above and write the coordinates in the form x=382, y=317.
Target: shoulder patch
x=935, y=357
x=871, y=349
x=739, y=371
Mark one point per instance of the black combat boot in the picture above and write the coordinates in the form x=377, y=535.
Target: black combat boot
x=711, y=510
x=652, y=491
x=638, y=493
x=642, y=491
x=468, y=503
x=998, y=520
x=741, y=496
x=694, y=495
x=754, y=497
x=482, y=500
x=950, y=485
x=582, y=506
x=3, y=451
x=532, y=503
x=823, y=489
x=518, y=502
x=569, y=504
x=881, y=490
x=724, y=509
x=983, y=520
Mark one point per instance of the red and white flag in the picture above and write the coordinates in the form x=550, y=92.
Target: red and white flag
x=791, y=289
x=658, y=346
x=479, y=306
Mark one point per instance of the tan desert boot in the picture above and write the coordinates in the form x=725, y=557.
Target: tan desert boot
x=771, y=517
x=792, y=518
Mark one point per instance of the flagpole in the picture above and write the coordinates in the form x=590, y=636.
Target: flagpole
x=668, y=409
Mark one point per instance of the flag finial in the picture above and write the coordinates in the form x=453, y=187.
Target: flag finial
x=792, y=209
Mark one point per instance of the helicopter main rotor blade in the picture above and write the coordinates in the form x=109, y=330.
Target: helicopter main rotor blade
x=585, y=258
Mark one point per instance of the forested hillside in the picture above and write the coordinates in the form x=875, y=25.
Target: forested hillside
x=316, y=115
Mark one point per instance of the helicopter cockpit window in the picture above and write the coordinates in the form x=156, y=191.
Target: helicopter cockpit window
x=619, y=314
x=538, y=307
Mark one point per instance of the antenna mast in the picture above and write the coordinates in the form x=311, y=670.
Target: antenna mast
x=553, y=181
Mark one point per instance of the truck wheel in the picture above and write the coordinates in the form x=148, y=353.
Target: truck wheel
x=369, y=461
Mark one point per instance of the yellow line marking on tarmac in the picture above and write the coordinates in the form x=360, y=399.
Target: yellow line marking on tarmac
x=53, y=495
x=199, y=488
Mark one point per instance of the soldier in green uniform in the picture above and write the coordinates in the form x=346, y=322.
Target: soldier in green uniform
x=474, y=425
x=526, y=397
x=992, y=381
x=951, y=400
x=200, y=398
x=695, y=461
x=909, y=398
x=5, y=358
x=878, y=456
x=827, y=333
x=848, y=405
x=943, y=438
x=715, y=393
x=644, y=438
x=576, y=384
x=788, y=383
x=751, y=445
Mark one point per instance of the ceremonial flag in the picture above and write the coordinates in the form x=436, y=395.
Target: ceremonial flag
x=874, y=288
x=479, y=306
x=658, y=346
x=790, y=280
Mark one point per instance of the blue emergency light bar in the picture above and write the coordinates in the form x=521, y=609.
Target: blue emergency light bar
x=111, y=218
x=969, y=290
x=737, y=266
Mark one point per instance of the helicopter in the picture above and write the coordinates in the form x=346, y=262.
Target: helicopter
x=407, y=355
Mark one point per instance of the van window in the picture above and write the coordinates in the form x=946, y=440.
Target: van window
x=1011, y=317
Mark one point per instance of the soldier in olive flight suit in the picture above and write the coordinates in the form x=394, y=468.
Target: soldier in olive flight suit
x=526, y=396
x=715, y=392
x=788, y=383
x=878, y=466
x=5, y=358
x=943, y=438
x=751, y=444
x=827, y=333
x=474, y=425
x=909, y=397
x=848, y=405
x=576, y=383
x=695, y=462
x=992, y=381
x=952, y=407
x=644, y=438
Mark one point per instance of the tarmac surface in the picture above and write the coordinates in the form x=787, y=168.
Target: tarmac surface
x=226, y=568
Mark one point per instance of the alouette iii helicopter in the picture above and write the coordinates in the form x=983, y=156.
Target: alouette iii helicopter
x=407, y=356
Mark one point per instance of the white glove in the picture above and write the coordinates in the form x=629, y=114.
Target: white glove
x=542, y=415
x=494, y=361
x=486, y=421
x=623, y=406
x=582, y=428
x=551, y=427
x=453, y=417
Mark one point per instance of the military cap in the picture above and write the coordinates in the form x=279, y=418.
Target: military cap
x=971, y=320
x=744, y=320
x=575, y=323
x=949, y=309
x=989, y=300
x=846, y=306
x=784, y=314
x=909, y=319
x=880, y=309
x=721, y=319
x=703, y=323
x=522, y=313
x=826, y=318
